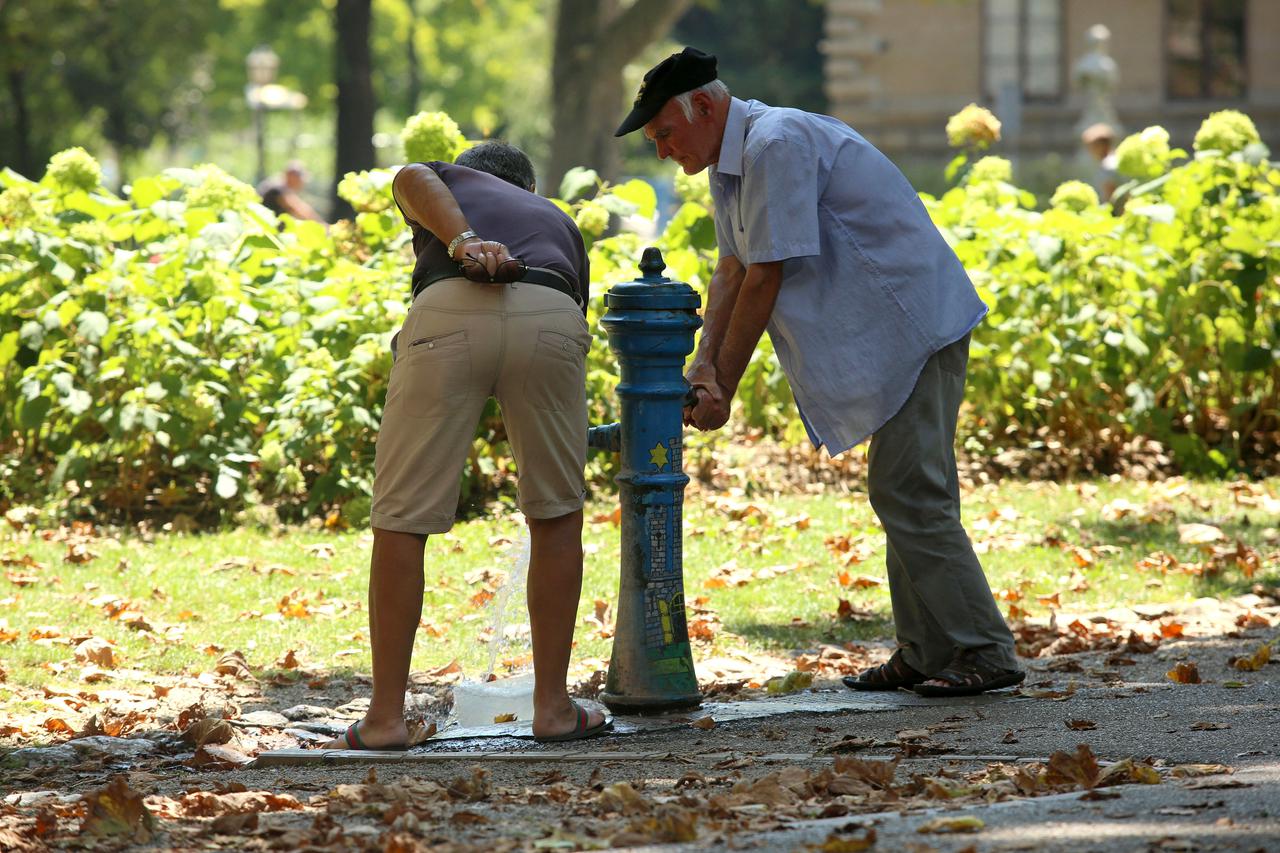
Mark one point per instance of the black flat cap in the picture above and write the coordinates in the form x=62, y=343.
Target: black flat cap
x=678, y=73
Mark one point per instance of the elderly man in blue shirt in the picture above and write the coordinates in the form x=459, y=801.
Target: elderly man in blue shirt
x=824, y=243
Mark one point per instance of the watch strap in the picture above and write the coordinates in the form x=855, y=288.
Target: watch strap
x=467, y=234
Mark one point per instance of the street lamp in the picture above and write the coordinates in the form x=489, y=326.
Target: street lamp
x=261, y=64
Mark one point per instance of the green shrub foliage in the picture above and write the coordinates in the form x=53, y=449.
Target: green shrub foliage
x=178, y=349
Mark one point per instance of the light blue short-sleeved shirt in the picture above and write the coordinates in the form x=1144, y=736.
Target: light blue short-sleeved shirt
x=869, y=290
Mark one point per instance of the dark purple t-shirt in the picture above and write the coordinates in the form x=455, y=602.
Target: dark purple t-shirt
x=532, y=228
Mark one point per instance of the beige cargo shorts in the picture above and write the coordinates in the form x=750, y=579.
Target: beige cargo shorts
x=462, y=343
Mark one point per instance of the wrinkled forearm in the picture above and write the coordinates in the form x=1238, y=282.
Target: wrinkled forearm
x=722, y=296
x=429, y=202
x=753, y=307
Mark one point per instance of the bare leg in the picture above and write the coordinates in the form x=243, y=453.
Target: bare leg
x=395, y=608
x=555, y=584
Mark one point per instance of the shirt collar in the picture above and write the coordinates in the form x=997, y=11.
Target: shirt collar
x=734, y=139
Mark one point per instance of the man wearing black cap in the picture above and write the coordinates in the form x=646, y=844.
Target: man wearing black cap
x=823, y=242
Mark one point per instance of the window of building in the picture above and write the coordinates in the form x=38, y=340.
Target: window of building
x=1204, y=48
x=1022, y=47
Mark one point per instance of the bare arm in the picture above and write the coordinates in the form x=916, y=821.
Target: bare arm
x=295, y=206
x=754, y=298
x=722, y=295
x=429, y=202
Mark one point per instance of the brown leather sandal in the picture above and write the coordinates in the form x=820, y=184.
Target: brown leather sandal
x=890, y=675
x=967, y=675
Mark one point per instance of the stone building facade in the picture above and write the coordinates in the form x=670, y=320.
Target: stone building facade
x=896, y=69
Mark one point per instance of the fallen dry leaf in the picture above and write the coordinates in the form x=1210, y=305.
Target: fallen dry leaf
x=1199, y=534
x=208, y=730
x=621, y=797
x=214, y=756
x=117, y=811
x=704, y=723
x=1129, y=771
x=1184, y=672
x=97, y=651
x=1255, y=661
x=78, y=552
x=878, y=774
x=792, y=682
x=1073, y=768
x=1191, y=771
x=1081, y=725
x=846, y=612
x=952, y=824
x=233, y=664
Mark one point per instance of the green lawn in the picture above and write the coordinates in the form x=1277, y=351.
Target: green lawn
x=174, y=604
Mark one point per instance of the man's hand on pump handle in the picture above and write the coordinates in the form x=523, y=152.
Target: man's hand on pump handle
x=711, y=411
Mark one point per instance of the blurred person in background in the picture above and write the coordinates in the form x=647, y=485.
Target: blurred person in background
x=1100, y=141
x=283, y=194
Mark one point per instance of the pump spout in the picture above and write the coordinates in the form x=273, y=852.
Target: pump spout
x=605, y=437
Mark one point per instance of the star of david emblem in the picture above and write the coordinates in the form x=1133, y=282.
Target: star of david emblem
x=658, y=455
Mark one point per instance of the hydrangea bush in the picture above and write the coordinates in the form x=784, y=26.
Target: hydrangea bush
x=176, y=349
x=1144, y=155
x=431, y=136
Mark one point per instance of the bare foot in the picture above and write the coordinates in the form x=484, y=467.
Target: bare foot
x=391, y=735
x=563, y=719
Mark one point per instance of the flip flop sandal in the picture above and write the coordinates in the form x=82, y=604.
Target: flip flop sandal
x=581, y=731
x=353, y=741
x=890, y=675
x=969, y=675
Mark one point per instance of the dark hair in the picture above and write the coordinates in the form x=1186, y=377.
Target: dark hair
x=502, y=160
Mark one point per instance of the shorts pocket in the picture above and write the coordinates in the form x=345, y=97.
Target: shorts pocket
x=557, y=374
x=435, y=372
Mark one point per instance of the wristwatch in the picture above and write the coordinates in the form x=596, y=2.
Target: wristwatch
x=458, y=241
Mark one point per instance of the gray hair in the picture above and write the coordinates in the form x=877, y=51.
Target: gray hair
x=500, y=159
x=716, y=89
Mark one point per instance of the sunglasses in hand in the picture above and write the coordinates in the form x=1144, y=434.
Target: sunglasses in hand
x=512, y=269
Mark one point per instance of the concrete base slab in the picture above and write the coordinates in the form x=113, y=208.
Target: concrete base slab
x=807, y=702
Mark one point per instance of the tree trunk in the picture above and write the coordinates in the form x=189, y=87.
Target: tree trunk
x=595, y=39
x=413, y=87
x=22, y=122
x=355, y=95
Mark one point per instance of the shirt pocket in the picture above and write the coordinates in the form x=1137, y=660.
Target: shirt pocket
x=435, y=373
x=557, y=376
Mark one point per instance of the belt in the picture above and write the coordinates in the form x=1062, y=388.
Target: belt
x=534, y=275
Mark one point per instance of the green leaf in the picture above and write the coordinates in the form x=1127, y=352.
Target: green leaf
x=93, y=325
x=31, y=413
x=577, y=182
x=1241, y=240
x=8, y=348
x=639, y=193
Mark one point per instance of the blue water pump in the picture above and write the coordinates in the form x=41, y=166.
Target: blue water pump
x=650, y=322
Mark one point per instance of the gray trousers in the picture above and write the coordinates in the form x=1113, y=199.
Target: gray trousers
x=941, y=601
